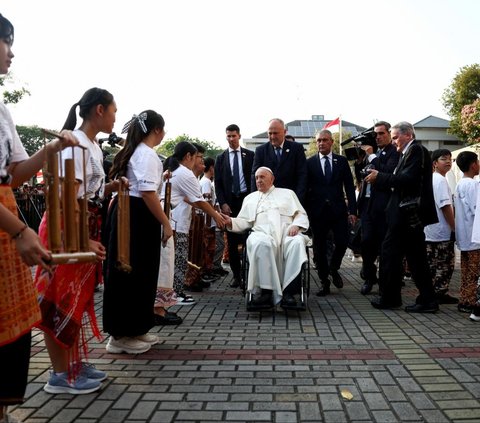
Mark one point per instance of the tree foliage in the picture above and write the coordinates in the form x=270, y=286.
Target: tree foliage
x=12, y=96
x=32, y=138
x=464, y=90
x=470, y=118
x=167, y=147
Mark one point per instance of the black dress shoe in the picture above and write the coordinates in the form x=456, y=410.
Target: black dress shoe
x=324, y=290
x=422, y=308
x=366, y=288
x=220, y=271
x=288, y=300
x=262, y=300
x=167, y=319
x=235, y=283
x=382, y=304
x=446, y=299
x=336, y=279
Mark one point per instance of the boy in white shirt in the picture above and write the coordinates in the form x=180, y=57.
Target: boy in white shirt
x=466, y=195
x=440, y=236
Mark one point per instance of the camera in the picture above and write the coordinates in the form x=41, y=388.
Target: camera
x=367, y=137
x=366, y=170
x=113, y=140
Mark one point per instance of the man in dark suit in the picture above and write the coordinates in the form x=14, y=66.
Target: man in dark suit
x=285, y=158
x=329, y=179
x=232, y=184
x=372, y=202
x=411, y=207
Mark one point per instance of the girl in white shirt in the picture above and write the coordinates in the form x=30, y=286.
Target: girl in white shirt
x=129, y=297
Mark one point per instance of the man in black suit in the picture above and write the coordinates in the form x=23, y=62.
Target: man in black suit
x=285, y=158
x=232, y=184
x=329, y=179
x=411, y=207
x=372, y=202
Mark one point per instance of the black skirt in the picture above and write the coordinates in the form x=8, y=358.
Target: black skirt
x=128, y=298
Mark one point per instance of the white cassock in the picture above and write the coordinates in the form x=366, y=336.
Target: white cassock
x=275, y=258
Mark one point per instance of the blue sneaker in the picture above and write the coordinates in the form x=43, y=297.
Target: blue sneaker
x=59, y=384
x=91, y=372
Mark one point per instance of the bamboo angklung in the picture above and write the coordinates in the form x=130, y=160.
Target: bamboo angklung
x=64, y=213
x=195, y=248
x=123, y=228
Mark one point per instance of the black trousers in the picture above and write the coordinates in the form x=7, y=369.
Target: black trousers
x=338, y=225
x=404, y=241
x=234, y=240
x=374, y=229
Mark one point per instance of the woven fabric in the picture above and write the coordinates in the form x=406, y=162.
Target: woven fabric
x=18, y=300
x=66, y=301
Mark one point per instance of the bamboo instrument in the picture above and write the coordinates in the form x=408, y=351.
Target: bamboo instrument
x=168, y=197
x=53, y=204
x=123, y=228
x=83, y=218
x=61, y=184
x=69, y=208
x=195, y=248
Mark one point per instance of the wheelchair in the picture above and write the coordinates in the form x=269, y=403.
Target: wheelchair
x=301, y=305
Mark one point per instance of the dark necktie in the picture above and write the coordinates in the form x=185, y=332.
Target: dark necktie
x=278, y=153
x=236, y=174
x=327, y=169
x=400, y=162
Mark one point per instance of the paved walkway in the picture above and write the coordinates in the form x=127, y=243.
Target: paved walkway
x=340, y=361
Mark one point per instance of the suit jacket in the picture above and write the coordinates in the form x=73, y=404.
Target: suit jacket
x=379, y=196
x=412, y=179
x=290, y=173
x=321, y=193
x=223, y=174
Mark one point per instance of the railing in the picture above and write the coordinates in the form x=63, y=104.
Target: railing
x=30, y=205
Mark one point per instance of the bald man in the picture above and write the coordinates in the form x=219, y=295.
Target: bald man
x=276, y=246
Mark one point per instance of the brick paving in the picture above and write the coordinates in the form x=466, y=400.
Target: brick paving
x=339, y=361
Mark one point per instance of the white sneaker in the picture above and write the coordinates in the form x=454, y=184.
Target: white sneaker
x=474, y=317
x=127, y=345
x=184, y=299
x=148, y=339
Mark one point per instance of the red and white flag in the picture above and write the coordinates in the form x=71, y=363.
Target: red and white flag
x=332, y=123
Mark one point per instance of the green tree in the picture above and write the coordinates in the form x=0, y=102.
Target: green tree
x=471, y=121
x=32, y=138
x=167, y=147
x=12, y=96
x=464, y=90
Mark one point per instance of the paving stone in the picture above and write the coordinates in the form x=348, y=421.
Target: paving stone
x=225, y=364
x=309, y=411
x=245, y=416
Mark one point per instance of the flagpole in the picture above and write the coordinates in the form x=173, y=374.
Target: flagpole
x=340, y=135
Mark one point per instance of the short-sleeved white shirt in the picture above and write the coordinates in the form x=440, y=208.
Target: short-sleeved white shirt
x=95, y=175
x=442, y=194
x=207, y=187
x=465, y=202
x=144, y=171
x=11, y=148
x=184, y=186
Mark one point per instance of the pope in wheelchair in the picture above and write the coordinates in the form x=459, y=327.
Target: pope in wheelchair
x=276, y=245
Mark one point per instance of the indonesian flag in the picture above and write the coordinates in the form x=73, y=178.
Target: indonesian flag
x=39, y=177
x=332, y=123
